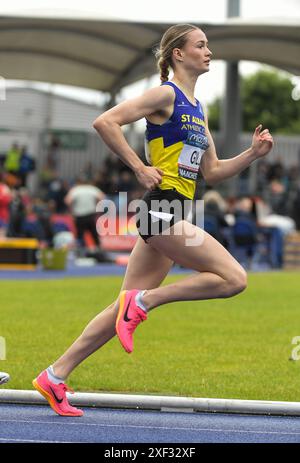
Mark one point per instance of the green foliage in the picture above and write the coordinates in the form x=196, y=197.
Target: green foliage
x=214, y=114
x=265, y=98
x=231, y=348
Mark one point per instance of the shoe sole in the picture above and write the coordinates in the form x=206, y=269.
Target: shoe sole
x=4, y=379
x=50, y=399
x=120, y=310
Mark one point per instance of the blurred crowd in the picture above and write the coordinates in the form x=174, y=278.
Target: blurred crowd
x=275, y=204
x=111, y=178
x=17, y=165
x=279, y=187
x=25, y=215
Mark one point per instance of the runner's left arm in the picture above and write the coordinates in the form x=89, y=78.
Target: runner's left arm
x=215, y=170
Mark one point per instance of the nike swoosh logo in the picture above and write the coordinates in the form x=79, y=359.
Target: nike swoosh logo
x=126, y=313
x=56, y=398
x=156, y=216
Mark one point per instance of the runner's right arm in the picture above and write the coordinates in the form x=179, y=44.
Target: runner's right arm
x=109, y=124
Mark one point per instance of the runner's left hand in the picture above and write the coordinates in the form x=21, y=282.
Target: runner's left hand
x=262, y=142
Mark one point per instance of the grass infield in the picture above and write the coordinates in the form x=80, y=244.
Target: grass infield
x=232, y=348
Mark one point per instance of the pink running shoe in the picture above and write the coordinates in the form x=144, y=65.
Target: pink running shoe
x=56, y=395
x=128, y=318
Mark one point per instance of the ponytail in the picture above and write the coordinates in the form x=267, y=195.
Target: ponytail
x=163, y=67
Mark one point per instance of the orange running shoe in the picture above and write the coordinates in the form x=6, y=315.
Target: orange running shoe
x=56, y=395
x=128, y=318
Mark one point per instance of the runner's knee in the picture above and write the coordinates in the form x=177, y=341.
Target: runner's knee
x=236, y=282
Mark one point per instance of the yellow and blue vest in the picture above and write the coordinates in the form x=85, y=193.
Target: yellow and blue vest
x=177, y=145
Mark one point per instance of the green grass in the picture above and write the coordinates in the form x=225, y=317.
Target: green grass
x=231, y=348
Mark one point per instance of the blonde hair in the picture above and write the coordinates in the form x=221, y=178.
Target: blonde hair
x=174, y=37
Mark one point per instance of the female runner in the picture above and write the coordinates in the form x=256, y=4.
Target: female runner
x=179, y=144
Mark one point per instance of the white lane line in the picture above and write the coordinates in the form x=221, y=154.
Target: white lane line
x=7, y=439
x=152, y=427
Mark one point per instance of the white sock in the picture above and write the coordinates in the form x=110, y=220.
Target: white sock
x=138, y=300
x=51, y=376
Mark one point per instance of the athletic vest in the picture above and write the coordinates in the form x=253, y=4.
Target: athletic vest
x=178, y=144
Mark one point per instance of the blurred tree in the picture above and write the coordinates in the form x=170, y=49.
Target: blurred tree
x=214, y=114
x=266, y=98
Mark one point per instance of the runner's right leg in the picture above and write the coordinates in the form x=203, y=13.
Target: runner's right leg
x=146, y=268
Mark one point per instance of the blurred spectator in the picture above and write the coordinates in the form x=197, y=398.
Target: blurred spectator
x=82, y=200
x=103, y=181
x=267, y=218
x=245, y=231
x=12, y=165
x=5, y=198
x=12, y=180
x=47, y=174
x=214, y=216
x=295, y=208
x=57, y=190
x=276, y=171
x=262, y=173
x=245, y=207
x=293, y=173
x=52, y=156
x=278, y=184
x=42, y=229
x=27, y=165
x=112, y=188
x=277, y=195
x=17, y=215
x=112, y=164
x=243, y=182
x=88, y=170
x=115, y=177
x=125, y=182
x=272, y=228
x=12, y=159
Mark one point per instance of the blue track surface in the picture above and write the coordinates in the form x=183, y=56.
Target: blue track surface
x=24, y=423
x=72, y=271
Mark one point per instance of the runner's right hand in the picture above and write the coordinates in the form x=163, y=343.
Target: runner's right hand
x=149, y=177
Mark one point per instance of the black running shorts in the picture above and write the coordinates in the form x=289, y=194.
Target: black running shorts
x=159, y=210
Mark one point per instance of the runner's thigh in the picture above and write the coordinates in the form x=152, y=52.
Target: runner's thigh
x=196, y=249
x=146, y=268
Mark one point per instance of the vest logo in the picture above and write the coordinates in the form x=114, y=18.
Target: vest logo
x=182, y=104
x=197, y=140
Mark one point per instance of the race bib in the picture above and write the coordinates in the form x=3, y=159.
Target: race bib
x=191, y=154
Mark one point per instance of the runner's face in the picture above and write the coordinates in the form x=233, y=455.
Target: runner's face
x=195, y=54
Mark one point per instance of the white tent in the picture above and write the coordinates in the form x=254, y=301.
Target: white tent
x=104, y=54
